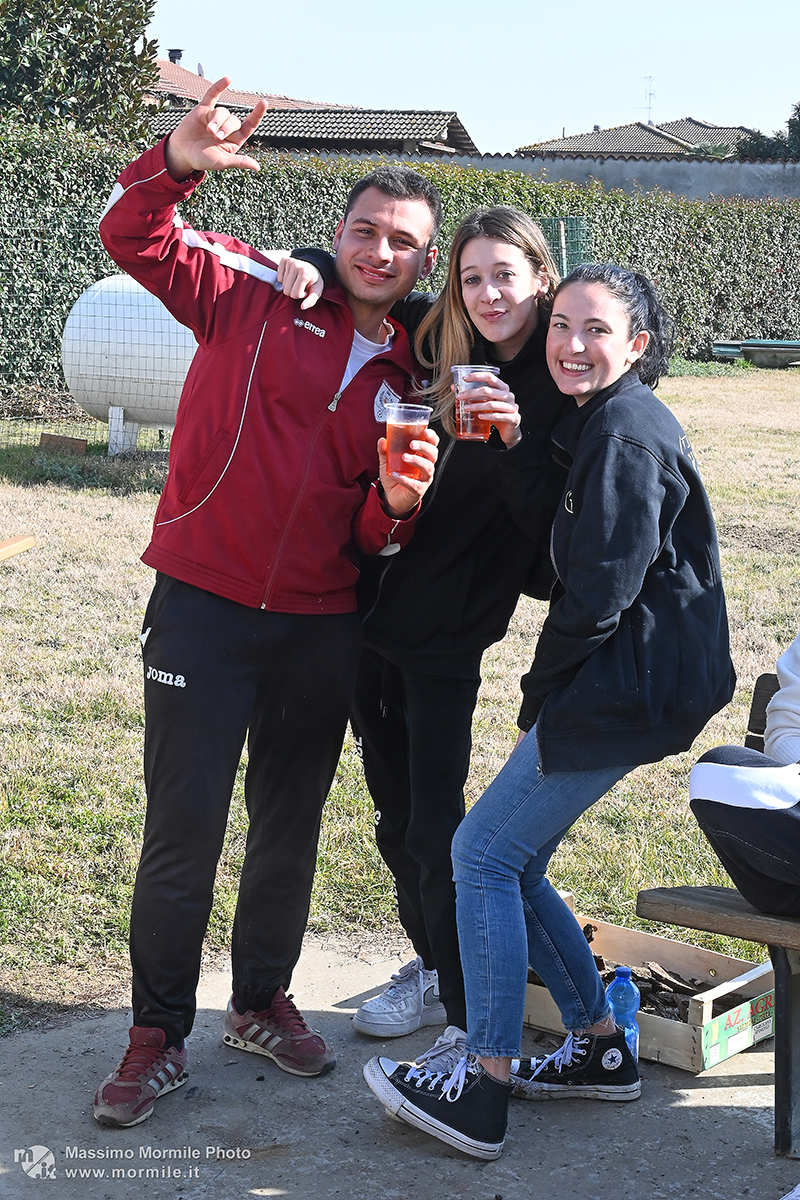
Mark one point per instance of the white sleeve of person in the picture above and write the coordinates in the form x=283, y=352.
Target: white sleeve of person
x=746, y=787
x=782, y=736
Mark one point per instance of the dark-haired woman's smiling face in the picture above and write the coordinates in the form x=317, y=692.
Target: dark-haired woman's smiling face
x=589, y=345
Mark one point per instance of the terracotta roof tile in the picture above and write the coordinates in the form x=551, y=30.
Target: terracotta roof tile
x=175, y=80
x=671, y=137
x=349, y=128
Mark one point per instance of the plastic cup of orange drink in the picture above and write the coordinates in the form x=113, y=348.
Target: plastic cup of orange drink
x=404, y=423
x=470, y=426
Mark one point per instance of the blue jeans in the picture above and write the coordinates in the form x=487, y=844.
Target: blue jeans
x=509, y=915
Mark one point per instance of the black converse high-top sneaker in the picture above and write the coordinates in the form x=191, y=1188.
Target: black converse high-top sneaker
x=467, y=1109
x=585, y=1066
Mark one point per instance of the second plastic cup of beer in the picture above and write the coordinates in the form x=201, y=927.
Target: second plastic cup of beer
x=404, y=423
x=470, y=426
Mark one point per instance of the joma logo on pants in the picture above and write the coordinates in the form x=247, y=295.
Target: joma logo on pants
x=165, y=677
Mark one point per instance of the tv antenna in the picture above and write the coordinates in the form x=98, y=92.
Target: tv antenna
x=649, y=96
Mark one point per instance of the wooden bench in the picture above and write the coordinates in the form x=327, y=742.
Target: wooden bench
x=724, y=910
x=16, y=545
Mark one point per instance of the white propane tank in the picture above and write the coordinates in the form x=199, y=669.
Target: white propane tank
x=122, y=349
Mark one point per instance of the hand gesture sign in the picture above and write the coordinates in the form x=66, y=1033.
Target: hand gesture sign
x=209, y=138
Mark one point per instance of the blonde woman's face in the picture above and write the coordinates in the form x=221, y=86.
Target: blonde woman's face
x=501, y=292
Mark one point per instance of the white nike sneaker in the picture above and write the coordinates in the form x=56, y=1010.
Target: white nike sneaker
x=410, y=1001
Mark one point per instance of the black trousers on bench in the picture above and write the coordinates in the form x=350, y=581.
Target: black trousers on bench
x=759, y=847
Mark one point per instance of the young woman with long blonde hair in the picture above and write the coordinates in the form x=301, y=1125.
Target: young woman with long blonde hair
x=430, y=611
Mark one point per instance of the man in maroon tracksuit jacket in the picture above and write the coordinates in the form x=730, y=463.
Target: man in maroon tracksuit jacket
x=273, y=488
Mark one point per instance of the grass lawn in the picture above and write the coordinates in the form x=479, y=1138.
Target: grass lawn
x=71, y=792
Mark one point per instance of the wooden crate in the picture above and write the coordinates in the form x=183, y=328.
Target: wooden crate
x=700, y=1043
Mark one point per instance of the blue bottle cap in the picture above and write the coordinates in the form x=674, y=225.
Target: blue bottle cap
x=623, y=972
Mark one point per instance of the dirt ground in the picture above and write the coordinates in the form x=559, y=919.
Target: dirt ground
x=242, y=1128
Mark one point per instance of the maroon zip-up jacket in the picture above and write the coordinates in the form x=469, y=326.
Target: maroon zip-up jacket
x=271, y=486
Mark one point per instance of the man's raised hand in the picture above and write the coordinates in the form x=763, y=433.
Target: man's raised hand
x=209, y=138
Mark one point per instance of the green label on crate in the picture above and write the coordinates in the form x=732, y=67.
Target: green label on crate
x=737, y=1029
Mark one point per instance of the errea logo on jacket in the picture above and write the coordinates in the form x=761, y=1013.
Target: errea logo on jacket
x=308, y=325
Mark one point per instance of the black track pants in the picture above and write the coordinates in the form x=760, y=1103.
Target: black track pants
x=215, y=672
x=759, y=847
x=414, y=734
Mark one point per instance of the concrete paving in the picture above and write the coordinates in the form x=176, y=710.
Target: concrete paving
x=241, y=1128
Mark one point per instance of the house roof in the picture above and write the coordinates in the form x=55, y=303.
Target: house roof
x=671, y=137
x=312, y=124
x=365, y=126
x=701, y=133
x=175, y=80
x=346, y=129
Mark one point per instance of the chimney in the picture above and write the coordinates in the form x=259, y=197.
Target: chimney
x=175, y=55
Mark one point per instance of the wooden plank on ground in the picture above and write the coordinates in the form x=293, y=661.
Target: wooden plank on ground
x=59, y=441
x=16, y=545
x=717, y=910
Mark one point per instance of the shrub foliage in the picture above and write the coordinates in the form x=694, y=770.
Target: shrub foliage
x=727, y=268
x=84, y=63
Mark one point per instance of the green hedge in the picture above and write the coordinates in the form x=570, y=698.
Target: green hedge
x=726, y=268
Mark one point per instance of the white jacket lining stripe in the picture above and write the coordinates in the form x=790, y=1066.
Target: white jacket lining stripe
x=118, y=191
x=237, y=262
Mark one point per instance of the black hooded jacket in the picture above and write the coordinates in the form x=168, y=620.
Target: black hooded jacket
x=633, y=659
x=482, y=533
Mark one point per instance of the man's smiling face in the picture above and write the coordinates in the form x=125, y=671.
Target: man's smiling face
x=382, y=249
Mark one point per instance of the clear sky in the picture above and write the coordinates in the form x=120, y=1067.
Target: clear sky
x=515, y=71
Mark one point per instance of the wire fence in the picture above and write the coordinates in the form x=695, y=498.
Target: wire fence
x=569, y=239
x=68, y=435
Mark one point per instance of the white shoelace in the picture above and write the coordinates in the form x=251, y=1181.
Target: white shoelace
x=407, y=978
x=424, y=1071
x=568, y=1053
x=453, y=1086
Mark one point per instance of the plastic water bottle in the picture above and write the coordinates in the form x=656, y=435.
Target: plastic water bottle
x=623, y=995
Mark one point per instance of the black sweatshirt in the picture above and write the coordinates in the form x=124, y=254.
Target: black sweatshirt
x=483, y=530
x=633, y=659
x=482, y=534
